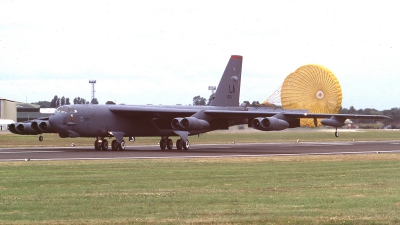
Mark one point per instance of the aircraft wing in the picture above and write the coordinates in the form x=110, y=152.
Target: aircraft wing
x=171, y=112
x=132, y=111
x=290, y=114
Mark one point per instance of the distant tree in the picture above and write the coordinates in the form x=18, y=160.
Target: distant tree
x=94, y=101
x=255, y=103
x=53, y=103
x=43, y=104
x=210, y=99
x=343, y=110
x=110, y=103
x=352, y=110
x=67, y=101
x=393, y=113
x=246, y=103
x=62, y=102
x=197, y=100
x=79, y=100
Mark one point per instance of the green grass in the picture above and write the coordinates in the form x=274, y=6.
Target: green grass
x=217, y=137
x=351, y=189
x=348, y=189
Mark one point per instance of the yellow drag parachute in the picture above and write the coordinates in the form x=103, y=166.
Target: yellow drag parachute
x=310, y=87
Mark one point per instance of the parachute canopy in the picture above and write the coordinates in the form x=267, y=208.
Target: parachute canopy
x=310, y=87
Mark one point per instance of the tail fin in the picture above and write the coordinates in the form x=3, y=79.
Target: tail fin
x=228, y=91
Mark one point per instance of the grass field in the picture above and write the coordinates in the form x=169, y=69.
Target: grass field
x=344, y=189
x=351, y=189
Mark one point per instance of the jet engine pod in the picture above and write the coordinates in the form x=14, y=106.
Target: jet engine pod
x=269, y=124
x=175, y=123
x=333, y=122
x=26, y=128
x=192, y=123
x=13, y=129
x=42, y=126
x=189, y=123
x=45, y=126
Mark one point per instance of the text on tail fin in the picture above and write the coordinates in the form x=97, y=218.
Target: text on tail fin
x=228, y=90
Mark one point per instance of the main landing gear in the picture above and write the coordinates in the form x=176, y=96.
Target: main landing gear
x=102, y=144
x=166, y=143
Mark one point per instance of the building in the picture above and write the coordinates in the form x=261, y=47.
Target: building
x=12, y=111
x=8, y=112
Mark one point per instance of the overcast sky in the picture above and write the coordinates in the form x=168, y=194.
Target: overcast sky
x=167, y=52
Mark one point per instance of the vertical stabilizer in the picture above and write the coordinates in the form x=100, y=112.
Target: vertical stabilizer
x=228, y=90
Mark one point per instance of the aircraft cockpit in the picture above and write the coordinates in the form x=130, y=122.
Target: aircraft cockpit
x=66, y=109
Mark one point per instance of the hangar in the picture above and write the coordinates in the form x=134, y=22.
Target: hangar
x=12, y=111
x=8, y=112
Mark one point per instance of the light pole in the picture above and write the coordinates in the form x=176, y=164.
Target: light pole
x=93, y=82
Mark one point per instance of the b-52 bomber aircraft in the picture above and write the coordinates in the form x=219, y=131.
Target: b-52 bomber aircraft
x=119, y=121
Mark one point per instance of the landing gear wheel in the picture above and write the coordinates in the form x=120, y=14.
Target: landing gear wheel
x=121, y=146
x=114, y=145
x=163, y=144
x=97, y=145
x=336, y=133
x=170, y=144
x=40, y=138
x=104, y=145
x=185, y=145
x=179, y=144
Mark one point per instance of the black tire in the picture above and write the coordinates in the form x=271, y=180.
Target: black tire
x=114, y=145
x=179, y=144
x=170, y=144
x=337, y=134
x=104, y=145
x=97, y=145
x=163, y=144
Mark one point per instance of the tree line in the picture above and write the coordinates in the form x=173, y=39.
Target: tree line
x=57, y=102
x=393, y=113
x=198, y=100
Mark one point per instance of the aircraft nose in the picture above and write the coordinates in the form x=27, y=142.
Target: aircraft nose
x=56, y=121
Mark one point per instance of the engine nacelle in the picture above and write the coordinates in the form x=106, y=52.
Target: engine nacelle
x=13, y=129
x=175, y=123
x=189, y=123
x=26, y=128
x=333, y=122
x=45, y=127
x=42, y=126
x=269, y=124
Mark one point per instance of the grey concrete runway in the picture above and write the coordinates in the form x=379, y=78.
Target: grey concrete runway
x=230, y=150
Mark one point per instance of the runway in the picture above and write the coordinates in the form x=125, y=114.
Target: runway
x=199, y=151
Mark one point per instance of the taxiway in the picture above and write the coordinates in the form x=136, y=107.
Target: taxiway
x=196, y=151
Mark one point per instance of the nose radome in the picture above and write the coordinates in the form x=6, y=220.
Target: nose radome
x=55, y=121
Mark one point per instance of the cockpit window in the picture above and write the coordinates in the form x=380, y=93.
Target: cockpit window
x=66, y=109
